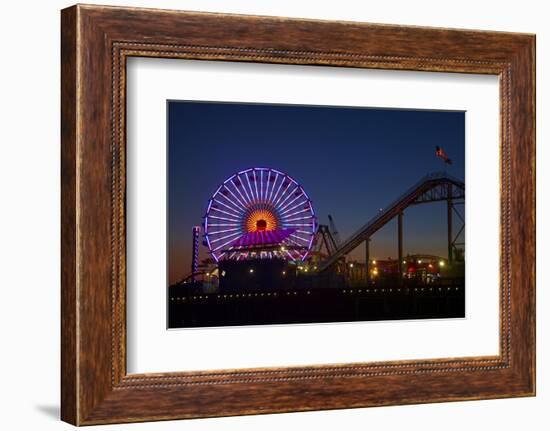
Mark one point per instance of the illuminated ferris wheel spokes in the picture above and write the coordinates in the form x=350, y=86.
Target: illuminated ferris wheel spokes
x=257, y=208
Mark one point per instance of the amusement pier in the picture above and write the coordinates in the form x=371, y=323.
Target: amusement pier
x=273, y=262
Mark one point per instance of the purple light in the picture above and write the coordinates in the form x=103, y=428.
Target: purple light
x=230, y=222
x=256, y=185
x=283, y=193
x=299, y=237
x=240, y=194
x=236, y=198
x=262, y=185
x=222, y=218
x=278, y=190
x=250, y=187
x=223, y=245
x=221, y=238
x=291, y=202
x=294, y=207
x=273, y=186
x=226, y=206
x=298, y=218
x=222, y=224
x=230, y=230
x=195, y=258
x=229, y=179
x=299, y=224
x=270, y=237
x=225, y=212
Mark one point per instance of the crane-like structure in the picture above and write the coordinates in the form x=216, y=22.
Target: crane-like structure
x=333, y=230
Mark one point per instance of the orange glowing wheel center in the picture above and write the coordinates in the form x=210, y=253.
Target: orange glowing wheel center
x=261, y=220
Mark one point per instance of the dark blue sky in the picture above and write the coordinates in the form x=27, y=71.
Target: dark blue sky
x=351, y=161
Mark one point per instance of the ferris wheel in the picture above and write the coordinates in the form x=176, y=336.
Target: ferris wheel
x=260, y=212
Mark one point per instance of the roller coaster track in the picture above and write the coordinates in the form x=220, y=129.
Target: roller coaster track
x=438, y=186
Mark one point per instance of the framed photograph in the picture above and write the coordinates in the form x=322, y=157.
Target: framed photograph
x=260, y=249
x=266, y=215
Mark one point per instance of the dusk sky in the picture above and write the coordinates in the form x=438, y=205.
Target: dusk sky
x=350, y=161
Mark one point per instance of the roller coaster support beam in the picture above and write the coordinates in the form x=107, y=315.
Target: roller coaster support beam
x=400, y=245
x=367, y=260
x=450, y=224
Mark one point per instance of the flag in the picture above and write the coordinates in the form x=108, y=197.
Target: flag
x=442, y=155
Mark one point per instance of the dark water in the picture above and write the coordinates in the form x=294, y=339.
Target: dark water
x=315, y=305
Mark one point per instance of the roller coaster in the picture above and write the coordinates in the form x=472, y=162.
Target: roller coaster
x=267, y=264
x=261, y=213
x=434, y=187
